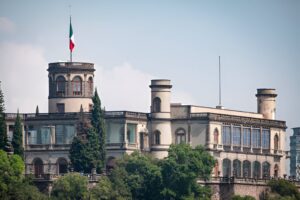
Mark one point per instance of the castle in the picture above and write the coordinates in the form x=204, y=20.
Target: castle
x=245, y=144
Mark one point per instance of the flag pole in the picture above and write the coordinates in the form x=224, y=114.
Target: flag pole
x=69, y=39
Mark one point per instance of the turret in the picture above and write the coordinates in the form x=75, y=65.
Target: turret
x=161, y=137
x=266, y=103
x=70, y=86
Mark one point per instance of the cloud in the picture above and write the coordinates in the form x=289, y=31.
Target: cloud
x=6, y=25
x=24, y=77
x=124, y=88
x=23, y=73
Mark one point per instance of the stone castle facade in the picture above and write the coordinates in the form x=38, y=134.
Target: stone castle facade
x=245, y=144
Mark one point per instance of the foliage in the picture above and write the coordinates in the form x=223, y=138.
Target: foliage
x=103, y=190
x=99, y=126
x=17, y=140
x=71, y=186
x=181, y=169
x=238, y=197
x=3, y=134
x=138, y=176
x=78, y=155
x=13, y=184
x=283, y=189
x=141, y=174
x=89, y=154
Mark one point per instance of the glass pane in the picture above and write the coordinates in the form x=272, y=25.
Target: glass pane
x=115, y=132
x=45, y=135
x=131, y=130
x=59, y=134
x=32, y=137
x=69, y=134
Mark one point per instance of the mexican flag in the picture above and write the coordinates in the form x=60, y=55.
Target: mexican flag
x=71, y=36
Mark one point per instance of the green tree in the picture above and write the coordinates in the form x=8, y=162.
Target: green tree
x=72, y=186
x=17, y=140
x=103, y=190
x=13, y=184
x=181, y=169
x=78, y=155
x=3, y=134
x=238, y=197
x=98, y=124
x=283, y=189
x=92, y=154
x=140, y=174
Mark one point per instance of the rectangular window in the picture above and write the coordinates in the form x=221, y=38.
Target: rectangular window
x=131, y=132
x=236, y=136
x=246, y=137
x=265, y=139
x=45, y=135
x=226, y=135
x=115, y=132
x=59, y=134
x=256, y=138
x=69, y=133
x=60, y=107
x=32, y=137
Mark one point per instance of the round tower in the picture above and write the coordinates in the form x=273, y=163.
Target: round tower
x=71, y=86
x=266, y=102
x=161, y=136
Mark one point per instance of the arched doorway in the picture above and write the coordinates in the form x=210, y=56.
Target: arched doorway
x=110, y=164
x=62, y=166
x=266, y=169
x=237, y=168
x=226, y=167
x=246, y=169
x=256, y=169
x=38, y=167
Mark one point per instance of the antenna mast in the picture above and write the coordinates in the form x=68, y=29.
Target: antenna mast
x=220, y=88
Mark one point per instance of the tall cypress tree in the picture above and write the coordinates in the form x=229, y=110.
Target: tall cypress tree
x=3, y=133
x=17, y=141
x=99, y=126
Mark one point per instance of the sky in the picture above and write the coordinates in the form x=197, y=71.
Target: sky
x=134, y=41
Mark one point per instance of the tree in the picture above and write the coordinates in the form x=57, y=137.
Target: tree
x=140, y=175
x=93, y=148
x=181, y=169
x=13, y=184
x=99, y=126
x=282, y=189
x=238, y=197
x=103, y=190
x=17, y=140
x=72, y=186
x=3, y=134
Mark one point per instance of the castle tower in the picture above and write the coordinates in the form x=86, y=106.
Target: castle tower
x=160, y=122
x=70, y=86
x=266, y=102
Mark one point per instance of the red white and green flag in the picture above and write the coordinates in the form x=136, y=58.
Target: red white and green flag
x=71, y=37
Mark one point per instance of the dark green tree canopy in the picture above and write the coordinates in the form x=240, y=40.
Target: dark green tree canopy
x=3, y=133
x=17, y=140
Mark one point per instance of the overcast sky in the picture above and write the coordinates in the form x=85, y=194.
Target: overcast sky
x=132, y=42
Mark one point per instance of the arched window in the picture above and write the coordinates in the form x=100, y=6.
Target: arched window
x=256, y=169
x=77, y=86
x=156, y=104
x=62, y=166
x=38, y=167
x=226, y=166
x=276, y=170
x=60, y=86
x=180, y=136
x=276, y=142
x=237, y=171
x=266, y=169
x=246, y=169
x=156, y=138
x=91, y=85
x=216, y=136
